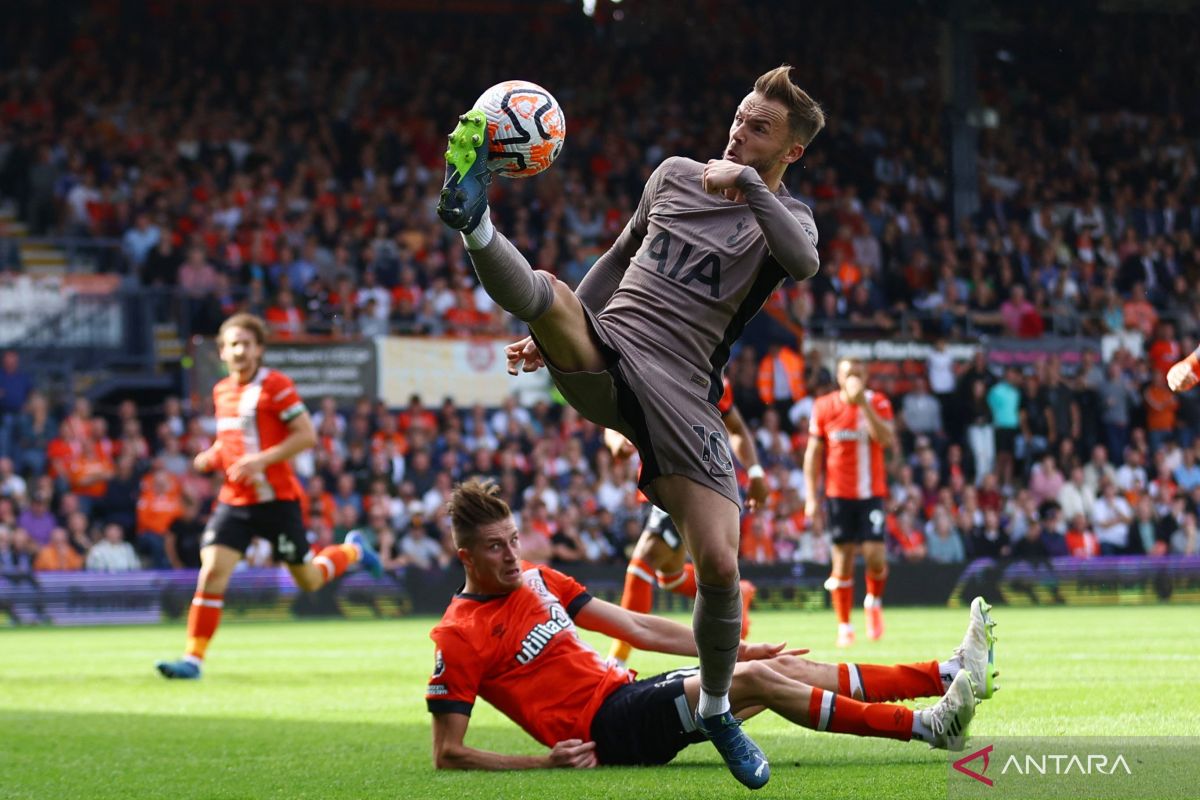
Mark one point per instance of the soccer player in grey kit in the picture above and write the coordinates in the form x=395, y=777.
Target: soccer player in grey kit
x=640, y=347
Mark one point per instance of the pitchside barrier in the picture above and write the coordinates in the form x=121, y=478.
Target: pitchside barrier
x=88, y=598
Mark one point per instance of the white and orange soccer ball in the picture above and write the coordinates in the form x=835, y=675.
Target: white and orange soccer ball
x=526, y=125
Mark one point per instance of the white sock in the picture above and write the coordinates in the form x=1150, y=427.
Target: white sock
x=709, y=706
x=920, y=730
x=194, y=660
x=845, y=627
x=482, y=235
x=870, y=601
x=947, y=670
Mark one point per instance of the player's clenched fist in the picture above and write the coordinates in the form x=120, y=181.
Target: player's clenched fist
x=721, y=175
x=574, y=753
x=1182, y=376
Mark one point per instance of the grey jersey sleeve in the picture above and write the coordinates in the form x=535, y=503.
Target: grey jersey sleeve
x=791, y=240
x=602, y=280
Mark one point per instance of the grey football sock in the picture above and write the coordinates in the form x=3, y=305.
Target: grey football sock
x=717, y=625
x=508, y=279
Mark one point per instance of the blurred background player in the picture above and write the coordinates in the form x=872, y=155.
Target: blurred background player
x=848, y=431
x=659, y=555
x=261, y=425
x=590, y=713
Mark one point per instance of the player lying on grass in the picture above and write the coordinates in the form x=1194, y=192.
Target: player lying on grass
x=509, y=636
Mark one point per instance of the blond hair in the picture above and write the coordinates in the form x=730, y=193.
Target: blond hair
x=249, y=322
x=805, y=117
x=473, y=504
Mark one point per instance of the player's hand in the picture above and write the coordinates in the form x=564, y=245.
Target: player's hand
x=721, y=176
x=205, y=460
x=1182, y=376
x=574, y=753
x=247, y=468
x=811, y=509
x=523, y=354
x=856, y=390
x=756, y=496
x=760, y=651
x=617, y=444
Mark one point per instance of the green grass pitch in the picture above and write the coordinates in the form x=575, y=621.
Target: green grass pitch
x=336, y=710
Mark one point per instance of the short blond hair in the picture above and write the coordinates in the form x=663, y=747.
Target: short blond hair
x=473, y=504
x=246, y=321
x=805, y=117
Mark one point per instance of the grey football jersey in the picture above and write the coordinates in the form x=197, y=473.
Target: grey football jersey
x=703, y=268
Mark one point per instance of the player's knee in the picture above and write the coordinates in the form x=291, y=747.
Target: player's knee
x=718, y=569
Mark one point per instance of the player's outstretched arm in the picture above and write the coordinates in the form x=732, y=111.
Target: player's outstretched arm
x=814, y=463
x=449, y=752
x=655, y=634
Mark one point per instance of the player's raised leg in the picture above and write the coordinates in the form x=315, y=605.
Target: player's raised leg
x=216, y=566
x=555, y=314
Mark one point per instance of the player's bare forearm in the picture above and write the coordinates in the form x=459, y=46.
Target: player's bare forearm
x=463, y=757
x=878, y=428
x=643, y=631
x=301, y=436
x=791, y=242
x=449, y=752
x=740, y=439
x=813, y=460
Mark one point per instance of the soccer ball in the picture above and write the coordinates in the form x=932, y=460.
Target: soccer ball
x=526, y=125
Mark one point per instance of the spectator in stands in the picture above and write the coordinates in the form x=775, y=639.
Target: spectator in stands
x=1117, y=398
x=17, y=550
x=37, y=520
x=185, y=534
x=1111, y=516
x=781, y=378
x=34, y=431
x=943, y=541
x=112, y=553
x=15, y=387
x=140, y=240
x=922, y=415
x=988, y=539
x=1004, y=401
x=11, y=484
x=159, y=505
x=1161, y=406
x=418, y=549
x=58, y=555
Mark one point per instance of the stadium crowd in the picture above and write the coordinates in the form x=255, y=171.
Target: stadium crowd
x=305, y=193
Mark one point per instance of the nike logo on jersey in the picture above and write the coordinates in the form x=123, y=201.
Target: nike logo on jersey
x=733, y=236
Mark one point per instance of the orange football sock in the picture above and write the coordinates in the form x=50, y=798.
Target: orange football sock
x=637, y=596
x=843, y=598
x=682, y=582
x=837, y=714
x=203, y=618
x=875, y=586
x=874, y=683
x=334, y=560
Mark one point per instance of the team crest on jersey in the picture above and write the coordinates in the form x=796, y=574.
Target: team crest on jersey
x=439, y=664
